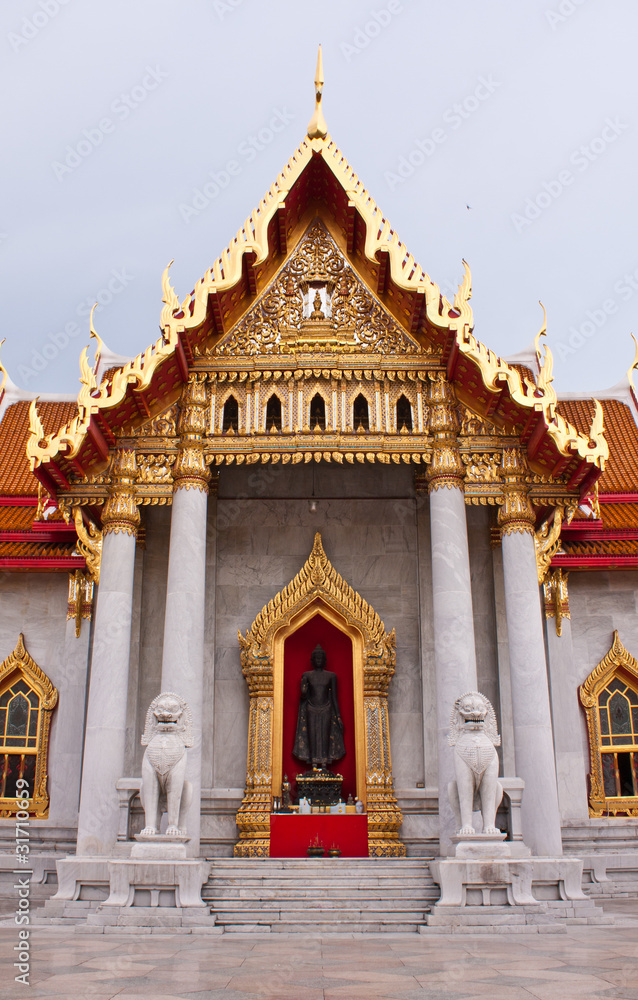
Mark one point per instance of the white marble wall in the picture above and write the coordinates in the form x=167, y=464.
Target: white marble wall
x=262, y=542
x=36, y=605
x=599, y=603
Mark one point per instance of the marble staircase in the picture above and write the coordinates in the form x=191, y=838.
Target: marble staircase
x=322, y=895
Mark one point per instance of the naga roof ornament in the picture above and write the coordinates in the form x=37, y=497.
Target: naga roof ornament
x=249, y=268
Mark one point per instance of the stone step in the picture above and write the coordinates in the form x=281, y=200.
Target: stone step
x=274, y=889
x=305, y=918
x=329, y=905
x=353, y=927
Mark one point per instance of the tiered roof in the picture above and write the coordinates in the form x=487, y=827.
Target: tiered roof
x=28, y=541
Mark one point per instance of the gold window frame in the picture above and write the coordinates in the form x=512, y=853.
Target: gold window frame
x=319, y=589
x=20, y=664
x=617, y=662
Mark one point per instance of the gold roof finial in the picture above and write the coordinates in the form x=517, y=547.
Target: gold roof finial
x=317, y=128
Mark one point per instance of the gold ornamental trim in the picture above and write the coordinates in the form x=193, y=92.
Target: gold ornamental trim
x=120, y=512
x=318, y=589
x=616, y=659
x=381, y=242
x=20, y=662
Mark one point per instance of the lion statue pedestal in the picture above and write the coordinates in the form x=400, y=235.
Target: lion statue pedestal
x=490, y=880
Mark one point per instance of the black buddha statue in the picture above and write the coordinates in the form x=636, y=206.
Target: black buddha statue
x=319, y=737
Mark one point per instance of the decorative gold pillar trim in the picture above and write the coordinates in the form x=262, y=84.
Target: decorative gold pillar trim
x=616, y=660
x=80, y=603
x=120, y=511
x=556, y=598
x=446, y=470
x=516, y=515
x=89, y=545
x=190, y=470
x=319, y=589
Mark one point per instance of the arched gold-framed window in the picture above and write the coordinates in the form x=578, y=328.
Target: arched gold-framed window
x=27, y=699
x=610, y=699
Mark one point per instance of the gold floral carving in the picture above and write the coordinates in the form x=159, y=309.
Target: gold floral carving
x=120, y=512
x=356, y=320
x=89, y=544
x=446, y=468
x=556, y=597
x=617, y=660
x=163, y=425
x=516, y=514
x=80, y=602
x=19, y=662
x=190, y=470
x=319, y=585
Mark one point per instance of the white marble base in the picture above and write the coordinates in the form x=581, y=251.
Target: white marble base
x=478, y=884
x=159, y=847
x=482, y=845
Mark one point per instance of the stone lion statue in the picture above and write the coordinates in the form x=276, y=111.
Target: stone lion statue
x=474, y=737
x=167, y=734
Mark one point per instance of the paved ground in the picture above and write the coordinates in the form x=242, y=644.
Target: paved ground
x=585, y=963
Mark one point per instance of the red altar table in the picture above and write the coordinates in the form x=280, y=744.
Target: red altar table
x=290, y=834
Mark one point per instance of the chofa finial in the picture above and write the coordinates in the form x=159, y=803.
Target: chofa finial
x=317, y=128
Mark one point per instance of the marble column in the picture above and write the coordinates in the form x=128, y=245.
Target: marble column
x=183, y=655
x=453, y=619
x=67, y=733
x=572, y=762
x=105, y=737
x=533, y=738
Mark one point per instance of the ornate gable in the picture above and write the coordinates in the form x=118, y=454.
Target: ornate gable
x=317, y=304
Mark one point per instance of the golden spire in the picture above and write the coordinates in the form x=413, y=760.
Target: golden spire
x=317, y=128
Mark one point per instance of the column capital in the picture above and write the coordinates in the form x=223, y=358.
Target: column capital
x=120, y=512
x=190, y=469
x=446, y=468
x=516, y=514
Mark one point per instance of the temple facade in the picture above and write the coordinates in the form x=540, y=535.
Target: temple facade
x=318, y=449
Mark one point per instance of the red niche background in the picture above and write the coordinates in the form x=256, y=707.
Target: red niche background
x=297, y=650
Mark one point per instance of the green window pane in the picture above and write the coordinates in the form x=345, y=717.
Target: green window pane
x=619, y=716
x=18, y=716
x=604, y=721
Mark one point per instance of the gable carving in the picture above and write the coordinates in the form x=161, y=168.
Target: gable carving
x=317, y=303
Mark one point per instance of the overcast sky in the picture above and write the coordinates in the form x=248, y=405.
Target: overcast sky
x=120, y=120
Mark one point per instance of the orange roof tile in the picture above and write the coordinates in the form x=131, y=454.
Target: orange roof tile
x=15, y=475
x=16, y=518
x=27, y=550
x=619, y=515
x=621, y=471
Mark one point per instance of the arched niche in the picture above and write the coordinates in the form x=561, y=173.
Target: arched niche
x=27, y=699
x=610, y=699
x=318, y=593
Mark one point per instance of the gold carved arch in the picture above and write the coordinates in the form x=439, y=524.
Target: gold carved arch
x=319, y=589
x=15, y=751
x=618, y=662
